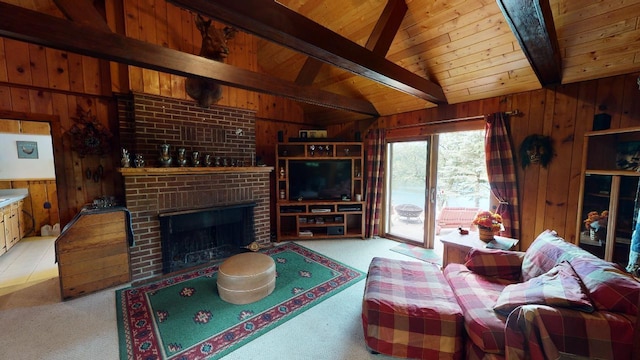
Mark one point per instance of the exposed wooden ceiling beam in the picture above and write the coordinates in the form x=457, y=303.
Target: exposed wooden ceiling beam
x=309, y=71
x=379, y=41
x=532, y=23
x=387, y=27
x=276, y=23
x=34, y=27
x=82, y=12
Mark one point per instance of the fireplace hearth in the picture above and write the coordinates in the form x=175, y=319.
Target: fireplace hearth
x=198, y=236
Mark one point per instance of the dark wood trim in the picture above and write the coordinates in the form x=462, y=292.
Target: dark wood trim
x=56, y=91
x=19, y=115
x=276, y=23
x=532, y=23
x=33, y=27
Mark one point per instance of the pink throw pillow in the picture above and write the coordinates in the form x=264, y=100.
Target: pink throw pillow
x=609, y=287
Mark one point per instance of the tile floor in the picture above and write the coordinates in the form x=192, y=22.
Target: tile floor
x=30, y=261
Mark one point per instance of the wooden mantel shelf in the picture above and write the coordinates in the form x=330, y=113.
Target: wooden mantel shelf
x=151, y=171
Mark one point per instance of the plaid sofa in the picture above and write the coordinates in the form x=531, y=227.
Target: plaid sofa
x=552, y=300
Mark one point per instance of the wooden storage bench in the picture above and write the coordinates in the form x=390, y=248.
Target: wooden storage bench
x=409, y=311
x=93, y=251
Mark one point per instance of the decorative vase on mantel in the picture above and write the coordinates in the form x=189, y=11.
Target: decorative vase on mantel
x=485, y=234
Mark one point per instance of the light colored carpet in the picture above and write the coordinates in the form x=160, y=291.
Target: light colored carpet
x=36, y=324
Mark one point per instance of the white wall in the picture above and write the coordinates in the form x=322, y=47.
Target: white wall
x=12, y=168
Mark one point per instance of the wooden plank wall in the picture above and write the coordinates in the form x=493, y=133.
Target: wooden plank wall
x=548, y=196
x=157, y=22
x=39, y=82
x=161, y=23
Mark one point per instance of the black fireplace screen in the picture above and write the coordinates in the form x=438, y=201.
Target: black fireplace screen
x=194, y=237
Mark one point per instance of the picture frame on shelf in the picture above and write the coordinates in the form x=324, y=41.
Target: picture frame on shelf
x=313, y=134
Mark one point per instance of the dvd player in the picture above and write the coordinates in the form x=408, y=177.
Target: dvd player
x=349, y=208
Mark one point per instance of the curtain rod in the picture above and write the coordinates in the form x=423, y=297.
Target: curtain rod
x=511, y=113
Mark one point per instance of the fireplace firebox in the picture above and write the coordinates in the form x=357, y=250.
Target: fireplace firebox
x=198, y=236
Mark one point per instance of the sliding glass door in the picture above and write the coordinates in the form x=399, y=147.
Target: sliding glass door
x=406, y=189
x=435, y=185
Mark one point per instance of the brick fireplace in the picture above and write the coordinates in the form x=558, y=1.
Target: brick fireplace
x=191, y=238
x=148, y=121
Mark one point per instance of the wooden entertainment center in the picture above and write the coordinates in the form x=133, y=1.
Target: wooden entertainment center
x=316, y=217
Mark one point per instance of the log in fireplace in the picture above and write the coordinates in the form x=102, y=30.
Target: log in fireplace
x=198, y=236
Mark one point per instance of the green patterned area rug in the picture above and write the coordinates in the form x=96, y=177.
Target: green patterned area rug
x=428, y=255
x=182, y=317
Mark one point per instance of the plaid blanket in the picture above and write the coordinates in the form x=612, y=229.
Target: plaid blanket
x=542, y=332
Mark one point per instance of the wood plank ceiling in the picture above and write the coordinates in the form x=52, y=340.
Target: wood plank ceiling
x=466, y=47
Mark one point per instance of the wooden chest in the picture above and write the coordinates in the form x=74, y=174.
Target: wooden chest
x=93, y=253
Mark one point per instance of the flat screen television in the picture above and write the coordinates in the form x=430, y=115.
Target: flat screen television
x=319, y=179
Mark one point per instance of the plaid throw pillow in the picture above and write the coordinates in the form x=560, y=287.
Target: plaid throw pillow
x=609, y=287
x=559, y=287
x=547, y=250
x=497, y=263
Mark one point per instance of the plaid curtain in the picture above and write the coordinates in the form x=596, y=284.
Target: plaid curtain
x=374, y=153
x=501, y=170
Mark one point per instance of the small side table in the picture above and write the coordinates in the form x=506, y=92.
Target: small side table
x=457, y=246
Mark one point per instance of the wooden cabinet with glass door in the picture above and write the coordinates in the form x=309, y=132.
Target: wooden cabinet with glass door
x=609, y=193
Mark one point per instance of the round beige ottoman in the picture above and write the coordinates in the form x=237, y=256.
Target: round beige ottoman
x=246, y=278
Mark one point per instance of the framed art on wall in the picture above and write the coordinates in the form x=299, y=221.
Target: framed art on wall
x=27, y=149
